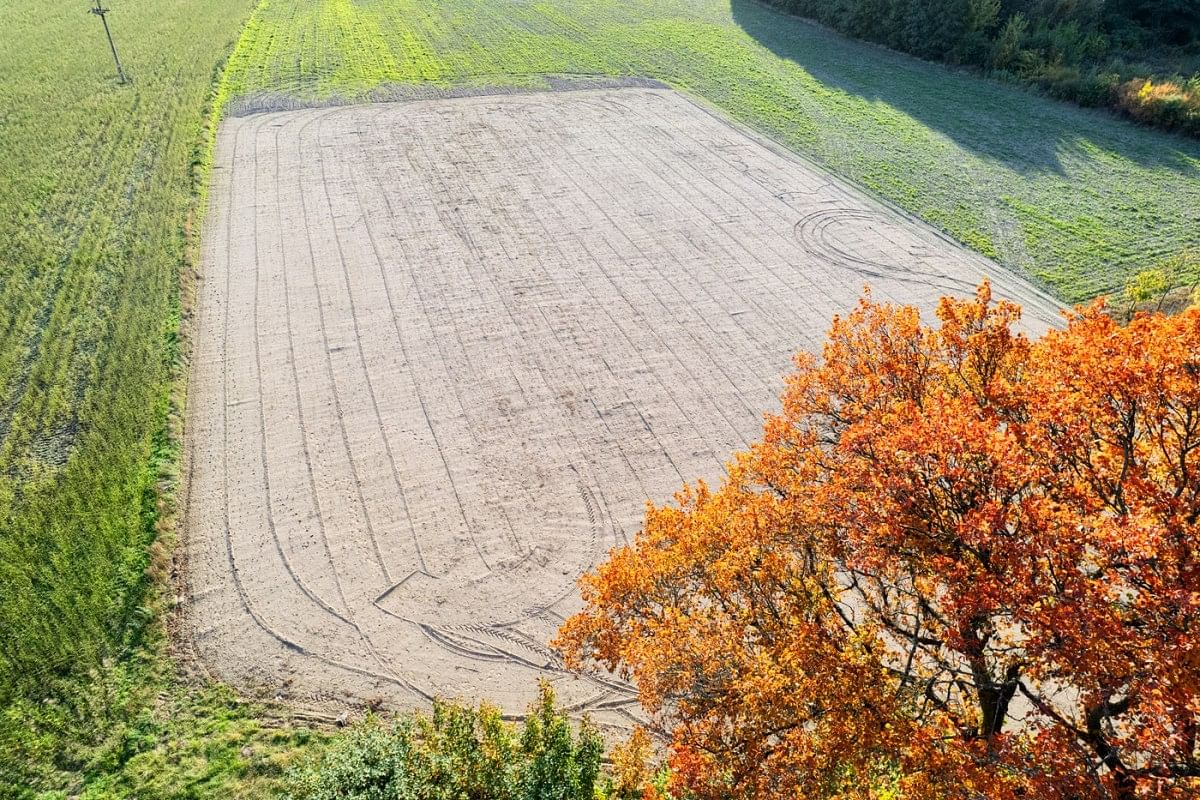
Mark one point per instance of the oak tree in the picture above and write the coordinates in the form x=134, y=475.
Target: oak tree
x=958, y=564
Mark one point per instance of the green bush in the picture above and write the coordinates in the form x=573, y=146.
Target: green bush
x=457, y=753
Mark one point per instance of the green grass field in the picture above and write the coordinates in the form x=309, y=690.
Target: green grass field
x=95, y=191
x=97, y=186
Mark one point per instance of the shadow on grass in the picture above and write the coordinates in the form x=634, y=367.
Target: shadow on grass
x=1026, y=132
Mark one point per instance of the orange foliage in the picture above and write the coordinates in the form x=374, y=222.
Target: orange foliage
x=1165, y=103
x=959, y=564
x=633, y=776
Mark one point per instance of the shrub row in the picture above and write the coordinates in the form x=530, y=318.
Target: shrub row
x=460, y=752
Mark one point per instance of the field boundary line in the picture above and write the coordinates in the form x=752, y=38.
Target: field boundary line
x=173, y=498
x=245, y=105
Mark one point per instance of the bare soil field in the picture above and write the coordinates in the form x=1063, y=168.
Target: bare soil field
x=448, y=349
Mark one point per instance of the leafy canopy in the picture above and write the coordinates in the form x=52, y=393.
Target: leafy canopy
x=959, y=564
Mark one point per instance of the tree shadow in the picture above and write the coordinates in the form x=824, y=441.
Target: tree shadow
x=1012, y=125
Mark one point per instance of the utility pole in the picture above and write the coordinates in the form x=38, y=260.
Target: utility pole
x=100, y=11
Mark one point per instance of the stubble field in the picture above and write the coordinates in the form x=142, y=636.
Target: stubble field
x=449, y=348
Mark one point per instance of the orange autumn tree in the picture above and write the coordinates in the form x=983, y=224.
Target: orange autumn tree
x=959, y=564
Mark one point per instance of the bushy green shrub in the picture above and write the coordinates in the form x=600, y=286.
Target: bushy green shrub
x=458, y=753
x=1169, y=285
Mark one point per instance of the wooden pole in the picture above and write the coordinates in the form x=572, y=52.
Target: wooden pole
x=100, y=12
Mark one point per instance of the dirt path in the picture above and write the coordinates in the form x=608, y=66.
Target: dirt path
x=449, y=348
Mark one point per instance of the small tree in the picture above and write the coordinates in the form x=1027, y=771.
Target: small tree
x=558, y=766
x=1007, y=51
x=1172, y=278
x=959, y=564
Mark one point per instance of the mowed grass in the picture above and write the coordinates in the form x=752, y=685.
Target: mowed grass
x=1076, y=199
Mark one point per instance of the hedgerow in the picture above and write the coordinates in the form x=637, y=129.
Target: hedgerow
x=1074, y=51
x=458, y=752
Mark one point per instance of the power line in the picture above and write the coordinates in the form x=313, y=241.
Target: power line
x=100, y=12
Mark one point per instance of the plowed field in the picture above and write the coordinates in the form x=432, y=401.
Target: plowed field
x=449, y=348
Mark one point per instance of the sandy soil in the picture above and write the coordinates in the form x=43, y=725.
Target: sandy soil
x=448, y=349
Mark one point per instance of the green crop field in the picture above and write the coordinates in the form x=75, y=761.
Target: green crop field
x=99, y=184
x=95, y=189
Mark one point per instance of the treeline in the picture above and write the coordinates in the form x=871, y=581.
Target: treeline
x=1139, y=57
